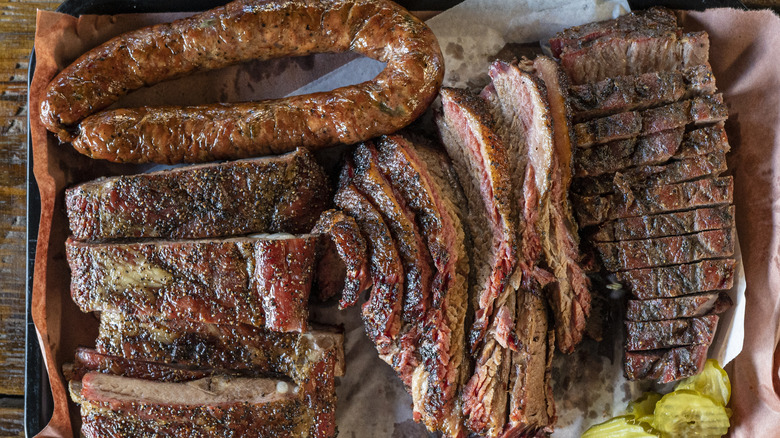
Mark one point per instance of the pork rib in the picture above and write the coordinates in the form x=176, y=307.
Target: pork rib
x=279, y=194
x=665, y=224
x=263, y=281
x=666, y=366
x=680, y=307
x=652, y=335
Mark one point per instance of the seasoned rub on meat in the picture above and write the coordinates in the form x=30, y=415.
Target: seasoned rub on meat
x=667, y=365
x=343, y=232
x=680, y=307
x=665, y=224
x=652, y=335
x=263, y=280
x=679, y=280
x=278, y=194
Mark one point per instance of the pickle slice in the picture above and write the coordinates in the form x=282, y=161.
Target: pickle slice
x=642, y=408
x=685, y=413
x=619, y=427
x=712, y=381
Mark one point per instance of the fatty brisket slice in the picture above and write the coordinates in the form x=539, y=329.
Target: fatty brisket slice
x=424, y=179
x=479, y=155
x=629, y=93
x=666, y=365
x=648, y=150
x=699, y=110
x=284, y=193
x=653, y=335
x=261, y=280
x=679, y=280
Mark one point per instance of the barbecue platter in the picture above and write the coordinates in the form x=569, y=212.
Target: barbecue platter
x=475, y=242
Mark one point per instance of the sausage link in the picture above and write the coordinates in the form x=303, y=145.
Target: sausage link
x=240, y=31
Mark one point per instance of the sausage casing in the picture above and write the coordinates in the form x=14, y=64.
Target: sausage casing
x=240, y=31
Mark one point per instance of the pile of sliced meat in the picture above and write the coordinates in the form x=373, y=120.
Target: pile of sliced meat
x=649, y=152
x=203, y=301
x=471, y=255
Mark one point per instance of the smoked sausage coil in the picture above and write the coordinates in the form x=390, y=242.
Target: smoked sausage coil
x=240, y=31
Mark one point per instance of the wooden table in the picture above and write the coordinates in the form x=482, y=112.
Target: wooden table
x=17, y=27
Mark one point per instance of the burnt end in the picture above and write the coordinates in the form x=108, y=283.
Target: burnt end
x=674, y=250
x=278, y=194
x=665, y=366
x=653, y=335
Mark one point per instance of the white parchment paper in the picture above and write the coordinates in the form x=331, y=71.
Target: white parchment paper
x=588, y=387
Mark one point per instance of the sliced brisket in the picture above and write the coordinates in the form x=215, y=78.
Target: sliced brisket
x=352, y=249
x=680, y=307
x=662, y=251
x=699, y=110
x=653, y=335
x=593, y=210
x=630, y=93
x=635, y=54
x=676, y=171
x=679, y=280
x=264, y=195
x=263, y=281
x=665, y=224
x=666, y=366
x=422, y=177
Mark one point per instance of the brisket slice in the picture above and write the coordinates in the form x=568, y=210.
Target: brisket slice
x=481, y=163
x=665, y=224
x=661, y=251
x=352, y=249
x=610, y=57
x=262, y=280
x=679, y=280
x=680, y=307
x=650, y=150
x=382, y=313
x=594, y=210
x=424, y=179
x=699, y=110
x=480, y=158
x=653, y=335
x=630, y=93
x=264, y=195
x=666, y=366
x=675, y=171
x=201, y=345
x=651, y=22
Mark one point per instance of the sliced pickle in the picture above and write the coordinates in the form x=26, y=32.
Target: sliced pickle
x=686, y=413
x=619, y=427
x=642, y=408
x=712, y=381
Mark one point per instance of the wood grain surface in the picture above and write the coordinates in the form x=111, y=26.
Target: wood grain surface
x=17, y=28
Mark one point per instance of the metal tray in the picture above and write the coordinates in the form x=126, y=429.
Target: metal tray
x=38, y=405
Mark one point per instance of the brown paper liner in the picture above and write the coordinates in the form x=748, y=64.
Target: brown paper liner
x=744, y=54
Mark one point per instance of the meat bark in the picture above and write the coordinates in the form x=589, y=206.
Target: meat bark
x=679, y=280
x=594, y=210
x=653, y=335
x=631, y=93
x=666, y=366
x=699, y=110
x=261, y=281
x=665, y=224
x=278, y=194
x=662, y=251
x=680, y=307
